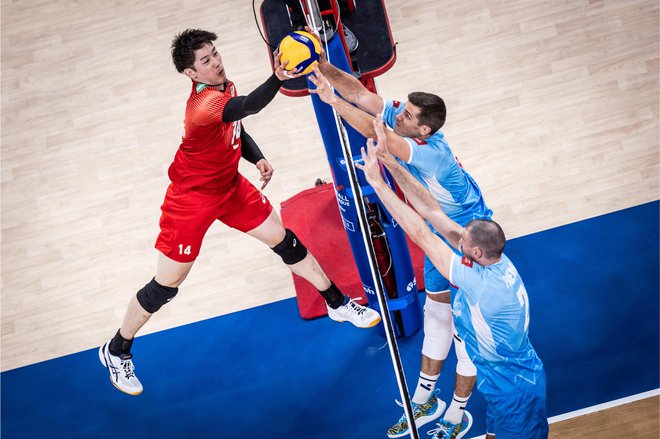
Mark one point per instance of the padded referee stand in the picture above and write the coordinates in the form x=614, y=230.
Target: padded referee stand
x=314, y=216
x=375, y=55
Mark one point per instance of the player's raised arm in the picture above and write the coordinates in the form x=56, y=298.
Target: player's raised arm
x=421, y=199
x=413, y=224
x=242, y=106
x=349, y=86
x=357, y=118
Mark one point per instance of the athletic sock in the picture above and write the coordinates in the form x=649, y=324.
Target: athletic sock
x=454, y=413
x=425, y=387
x=119, y=345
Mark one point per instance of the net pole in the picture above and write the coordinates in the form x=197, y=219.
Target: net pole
x=316, y=24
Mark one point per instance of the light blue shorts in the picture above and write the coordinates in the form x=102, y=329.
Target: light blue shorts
x=434, y=282
x=518, y=415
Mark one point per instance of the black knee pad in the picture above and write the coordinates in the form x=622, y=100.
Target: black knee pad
x=154, y=295
x=291, y=250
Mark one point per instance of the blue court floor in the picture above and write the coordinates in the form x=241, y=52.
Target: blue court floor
x=265, y=372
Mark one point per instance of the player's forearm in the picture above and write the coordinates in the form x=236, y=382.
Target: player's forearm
x=250, y=151
x=422, y=200
x=360, y=120
x=347, y=85
x=410, y=220
x=416, y=193
x=241, y=106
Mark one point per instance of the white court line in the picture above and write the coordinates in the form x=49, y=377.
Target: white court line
x=596, y=408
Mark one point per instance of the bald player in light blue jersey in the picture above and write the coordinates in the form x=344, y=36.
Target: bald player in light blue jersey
x=419, y=145
x=490, y=303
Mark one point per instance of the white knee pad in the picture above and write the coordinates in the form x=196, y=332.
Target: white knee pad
x=437, y=329
x=464, y=366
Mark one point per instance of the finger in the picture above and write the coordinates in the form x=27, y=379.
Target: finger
x=309, y=30
x=370, y=142
x=317, y=72
x=359, y=165
x=378, y=127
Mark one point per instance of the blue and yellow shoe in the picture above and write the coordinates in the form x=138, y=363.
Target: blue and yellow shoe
x=447, y=430
x=423, y=413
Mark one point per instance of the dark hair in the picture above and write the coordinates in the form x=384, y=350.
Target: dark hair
x=185, y=44
x=433, y=111
x=487, y=235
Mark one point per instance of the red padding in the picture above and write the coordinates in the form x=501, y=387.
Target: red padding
x=314, y=217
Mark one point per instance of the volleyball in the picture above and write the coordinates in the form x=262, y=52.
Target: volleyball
x=301, y=50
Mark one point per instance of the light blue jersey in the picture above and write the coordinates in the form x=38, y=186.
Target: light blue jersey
x=434, y=165
x=491, y=314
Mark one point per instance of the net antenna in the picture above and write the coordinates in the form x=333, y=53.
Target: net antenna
x=315, y=22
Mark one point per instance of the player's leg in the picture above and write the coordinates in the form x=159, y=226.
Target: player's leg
x=183, y=224
x=438, y=329
x=249, y=211
x=159, y=291
x=427, y=405
x=116, y=354
x=301, y=262
x=457, y=421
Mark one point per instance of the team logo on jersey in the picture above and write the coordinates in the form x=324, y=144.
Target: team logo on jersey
x=396, y=104
x=466, y=261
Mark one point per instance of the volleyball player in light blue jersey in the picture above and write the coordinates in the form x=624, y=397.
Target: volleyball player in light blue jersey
x=491, y=307
x=490, y=303
x=432, y=162
x=491, y=312
x=419, y=145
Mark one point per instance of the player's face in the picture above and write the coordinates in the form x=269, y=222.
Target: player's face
x=208, y=66
x=407, y=124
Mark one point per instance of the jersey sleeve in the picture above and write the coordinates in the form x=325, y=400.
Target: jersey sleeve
x=430, y=159
x=465, y=274
x=456, y=272
x=390, y=112
x=207, y=108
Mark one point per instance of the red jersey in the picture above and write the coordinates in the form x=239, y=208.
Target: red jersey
x=207, y=159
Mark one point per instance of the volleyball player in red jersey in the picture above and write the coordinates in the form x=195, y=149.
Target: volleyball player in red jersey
x=206, y=186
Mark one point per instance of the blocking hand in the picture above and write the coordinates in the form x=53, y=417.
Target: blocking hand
x=323, y=89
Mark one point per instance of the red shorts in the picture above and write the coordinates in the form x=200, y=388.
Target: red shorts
x=187, y=215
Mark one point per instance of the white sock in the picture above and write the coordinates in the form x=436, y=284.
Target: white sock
x=425, y=387
x=454, y=413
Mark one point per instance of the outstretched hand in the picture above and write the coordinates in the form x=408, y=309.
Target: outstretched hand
x=280, y=71
x=382, y=150
x=266, y=171
x=323, y=89
x=375, y=152
x=371, y=167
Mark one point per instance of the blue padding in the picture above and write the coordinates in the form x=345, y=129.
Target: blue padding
x=593, y=289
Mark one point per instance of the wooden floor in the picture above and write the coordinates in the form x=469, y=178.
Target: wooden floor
x=553, y=107
x=634, y=420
